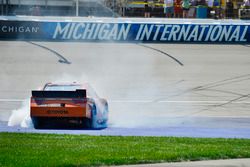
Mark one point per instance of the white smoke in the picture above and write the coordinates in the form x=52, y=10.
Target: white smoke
x=134, y=115
x=21, y=116
x=126, y=113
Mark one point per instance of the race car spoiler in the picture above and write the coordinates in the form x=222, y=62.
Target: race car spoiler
x=79, y=93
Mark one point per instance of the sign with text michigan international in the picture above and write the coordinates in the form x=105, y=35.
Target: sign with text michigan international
x=124, y=32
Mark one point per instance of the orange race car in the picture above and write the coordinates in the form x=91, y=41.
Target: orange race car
x=68, y=105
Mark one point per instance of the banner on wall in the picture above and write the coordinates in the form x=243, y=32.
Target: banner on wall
x=128, y=32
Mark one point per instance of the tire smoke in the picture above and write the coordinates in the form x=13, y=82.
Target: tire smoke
x=21, y=116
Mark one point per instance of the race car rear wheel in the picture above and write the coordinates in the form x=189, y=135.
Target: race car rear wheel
x=86, y=123
x=37, y=122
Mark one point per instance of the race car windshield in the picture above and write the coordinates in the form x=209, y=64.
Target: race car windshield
x=90, y=90
x=62, y=87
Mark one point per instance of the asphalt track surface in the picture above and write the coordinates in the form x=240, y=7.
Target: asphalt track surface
x=210, y=163
x=153, y=89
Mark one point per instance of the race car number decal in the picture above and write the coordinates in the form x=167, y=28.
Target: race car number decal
x=57, y=112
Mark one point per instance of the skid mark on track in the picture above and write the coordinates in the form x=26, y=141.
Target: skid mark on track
x=223, y=91
x=232, y=101
x=164, y=53
x=246, y=45
x=62, y=59
x=212, y=85
x=224, y=82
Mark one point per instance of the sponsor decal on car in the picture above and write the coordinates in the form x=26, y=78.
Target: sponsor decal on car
x=57, y=112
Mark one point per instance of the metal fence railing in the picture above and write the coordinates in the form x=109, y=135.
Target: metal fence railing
x=231, y=9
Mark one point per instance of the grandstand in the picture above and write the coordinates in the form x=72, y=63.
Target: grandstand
x=56, y=8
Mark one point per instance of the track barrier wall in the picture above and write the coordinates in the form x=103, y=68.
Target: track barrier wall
x=126, y=30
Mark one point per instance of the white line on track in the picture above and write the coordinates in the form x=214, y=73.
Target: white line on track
x=12, y=100
x=208, y=102
x=178, y=101
x=153, y=101
x=224, y=116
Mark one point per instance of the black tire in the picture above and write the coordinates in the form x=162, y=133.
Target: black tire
x=37, y=122
x=106, y=112
x=93, y=117
x=86, y=123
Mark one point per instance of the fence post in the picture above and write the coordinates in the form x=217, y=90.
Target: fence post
x=2, y=7
x=7, y=7
x=77, y=8
x=113, y=6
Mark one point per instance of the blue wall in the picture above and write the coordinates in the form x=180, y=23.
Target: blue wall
x=128, y=32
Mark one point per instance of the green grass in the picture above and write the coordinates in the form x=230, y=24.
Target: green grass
x=19, y=149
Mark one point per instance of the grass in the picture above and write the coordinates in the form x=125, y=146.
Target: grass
x=20, y=149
